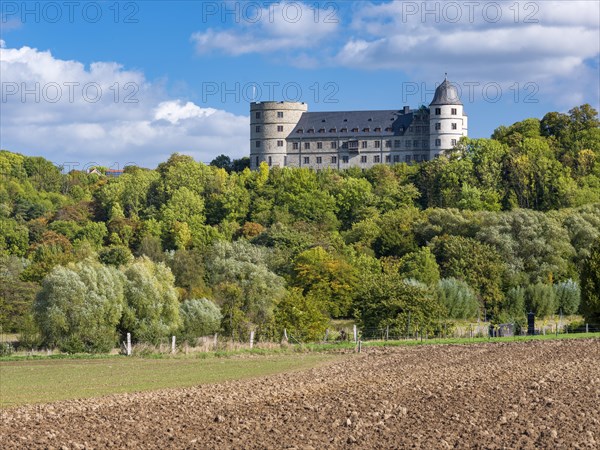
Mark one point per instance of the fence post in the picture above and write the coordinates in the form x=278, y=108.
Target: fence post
x=128, y=344
x=251, y=339
x=215, y=341
x=587, y=327
x=359, y=346
x=173, y=344
x=285, y=336
x=355, y=333
x=326, y=334
x=387, y=333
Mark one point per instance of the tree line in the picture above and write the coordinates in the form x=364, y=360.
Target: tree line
x=493, y=229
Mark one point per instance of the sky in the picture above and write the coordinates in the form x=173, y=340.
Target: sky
x=131, y=82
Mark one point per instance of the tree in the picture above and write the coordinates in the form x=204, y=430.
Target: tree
x=478, y=264
x=540, y=298
x=116, y=255
x=590, y=286
x=329, y=279
x=222, y=162
x=387, y=300
x=79, y=307
x=568, y=296
x=421, y=266
x=151, y=311
x=458, y=298
x=199, y=317
x=301, y=315
x=398, y=232
x=16, y=296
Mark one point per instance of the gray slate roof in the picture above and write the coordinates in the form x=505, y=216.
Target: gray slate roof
x=396, y=119
x=446, y=94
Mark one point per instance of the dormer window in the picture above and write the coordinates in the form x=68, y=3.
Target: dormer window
x=300, y=131
x=311, y=130
x=438, y=111
x=388, y=129
x=366, y=130
x=378, y=130
x=355, y=130
x=344, y=130
x=322, y=130
x=333, y=130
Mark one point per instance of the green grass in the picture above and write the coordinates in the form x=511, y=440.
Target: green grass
x=464, y=341
x=47, y=380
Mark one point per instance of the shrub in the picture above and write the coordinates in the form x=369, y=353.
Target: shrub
x=590, y=286
x=540, y=298
x=568, y=296
x=458, y=298
x=200, y=317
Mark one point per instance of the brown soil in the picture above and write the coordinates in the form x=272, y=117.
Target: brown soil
x=503, y=395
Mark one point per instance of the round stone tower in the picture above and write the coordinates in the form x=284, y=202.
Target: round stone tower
x=270, y=124
x=447, y=121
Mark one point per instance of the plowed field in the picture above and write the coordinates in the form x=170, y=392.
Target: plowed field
x=538, y=394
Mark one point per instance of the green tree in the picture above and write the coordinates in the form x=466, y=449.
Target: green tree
x=301, y=315
x=590, y=286
x=79, y=307
x=116, y=255
x=200, y=317
x=151, y=310
x=568, y=296
x=421, y=266
x=540, y=298
x=458, y=298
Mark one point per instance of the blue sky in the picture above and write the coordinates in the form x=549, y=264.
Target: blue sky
x=131, y=82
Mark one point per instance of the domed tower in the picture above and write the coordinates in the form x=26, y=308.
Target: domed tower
x=447, y=121
x=270, y=124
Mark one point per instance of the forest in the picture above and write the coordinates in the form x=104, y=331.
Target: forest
x=493, y=229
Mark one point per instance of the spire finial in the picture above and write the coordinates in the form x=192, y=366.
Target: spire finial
x=446, y=76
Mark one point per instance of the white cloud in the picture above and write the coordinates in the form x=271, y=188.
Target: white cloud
x=2, y=43
x=280, y=27
x=105, y=114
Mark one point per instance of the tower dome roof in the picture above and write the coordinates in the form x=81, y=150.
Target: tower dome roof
x=446, y=94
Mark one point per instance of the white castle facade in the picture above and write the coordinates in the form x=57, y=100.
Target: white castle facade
x=285, y=134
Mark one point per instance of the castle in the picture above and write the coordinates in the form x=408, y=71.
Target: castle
x=285, y=134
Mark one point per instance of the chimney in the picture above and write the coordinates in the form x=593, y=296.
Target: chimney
x=406, y=109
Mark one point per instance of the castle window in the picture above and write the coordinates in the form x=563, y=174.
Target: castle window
x=280, y=128
x=407, y=158
x=280, y=114
x=279, y=143
x=352, y=144
x=321, y=130
x=424, y=158
x=363, y=159
x=306, y=160
x=319, y=160
x=417, y=158
x=418, y=129
x=300, y=131
x=396, y=144
x=333, y=145
x=416, y=144
x=345, y=159
x=425, y=144
x=311, y=130
x=270, y=161
x=364, y=144
x=344, y=145
x=438, y=126
x=257, y=161
x=407, y=144
x=319, y=145
x=333, y=130
x=257, y=128
x=307, y=146
x=295, y=146
x=257, y=115
x=334, y=159
x=377, y=144
x=388, y=158
x=388, y=129
x=344, y=130
x=377, y=159
x=410, y=129
x=454, y=111
x=257, y=144
x=454, y=126
x=377, y=130
x=438, y=143
x=366, y=130
x=453, y=142
x=396, y=158
x=388, y=144
x=355, y=130
x=438, y=111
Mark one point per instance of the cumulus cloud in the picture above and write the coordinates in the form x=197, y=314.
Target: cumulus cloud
x=281, y=26
x=545, y=43
x=104, y=113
